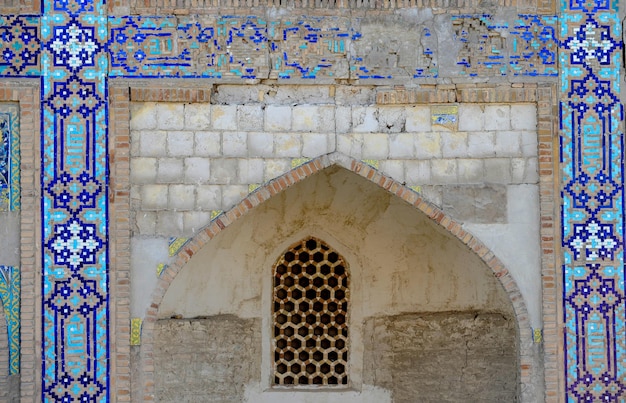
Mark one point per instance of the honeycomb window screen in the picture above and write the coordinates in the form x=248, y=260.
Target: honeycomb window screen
x=310, y=312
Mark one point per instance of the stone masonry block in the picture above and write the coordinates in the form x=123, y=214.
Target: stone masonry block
x=417, y=172
x=260, y=144
x=143, y=116
x=250, y=170
x=454, y=144
x=207, y=144
x=250, y=117
x=365, y=119
x=180, y=144
x=181, y=197
x=476, y=203
x=169, y=223
x=394, y=169
x=208, y=197
x=10, y=238
x=524, y=117
x=197, y=116
x=327, y=118
x=497, y=117
x=418, y=118
x=277, y=118
x=401, y=145
x=153, y=197
x=391, y=119
x=234, y=144
x=288, y=145
x=197, y=170
x=152, y=144
x=145, y=222
x=343, y=119
x=427, y=145
x=497, y=170
x=275, y=168
x=233, y=194
x=471, y=117
x=444, y=171
x=351, y=144
x=194, y=221
x=224, y=117
x=170, y=116
x=518, y=168
x=481, y=144
x=375, y=146
x=170, y=170
x=470, y=170
x=531, y=173
x=223, y=171
x=306, y=118
x=314, y=144
x=529, y=144
x=508, y=144
x=143, y=170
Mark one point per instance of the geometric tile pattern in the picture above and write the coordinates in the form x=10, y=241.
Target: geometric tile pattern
x=10, y=288
x=75, y=300
x=592, y=170
x=9, y=158
x=223, y=47
x=529, y=47
x=20, y=46
x=70, y=46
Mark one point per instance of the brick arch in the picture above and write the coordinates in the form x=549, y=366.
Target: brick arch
x=289, y=179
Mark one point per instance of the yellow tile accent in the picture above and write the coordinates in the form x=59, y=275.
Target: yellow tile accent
x=176, y=244
x=299, y=161
x=537, y=335
x=372, y=163
x=135, y=331
x=417, y=189
x=215, y=213
x=252, y=187
x=445, y=116
x=160, y=268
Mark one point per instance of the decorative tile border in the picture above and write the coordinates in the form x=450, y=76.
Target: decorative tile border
x=10, y=293
x=592, y=191
x=75, y=296
x=71, y=42
x=9, y=157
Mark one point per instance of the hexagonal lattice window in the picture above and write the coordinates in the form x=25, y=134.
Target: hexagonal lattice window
x=310, y=316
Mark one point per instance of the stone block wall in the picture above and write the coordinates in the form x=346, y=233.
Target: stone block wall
x=443, y=357
x=190, y=161
x=206, y=360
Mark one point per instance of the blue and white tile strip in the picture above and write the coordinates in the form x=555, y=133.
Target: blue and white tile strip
x=74, y=182
x=592, y=188
x=10, y=289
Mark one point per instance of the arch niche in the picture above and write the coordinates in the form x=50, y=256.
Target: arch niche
x=433, y=313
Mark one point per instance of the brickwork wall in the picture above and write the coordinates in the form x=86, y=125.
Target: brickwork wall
x=26, y=94
x=451, y=357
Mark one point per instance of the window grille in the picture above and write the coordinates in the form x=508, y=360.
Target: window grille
x=310, y=309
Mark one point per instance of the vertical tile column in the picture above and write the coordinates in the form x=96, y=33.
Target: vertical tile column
x=75, y=296
x=592, y=188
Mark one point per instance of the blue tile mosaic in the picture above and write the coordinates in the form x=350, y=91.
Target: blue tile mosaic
x=592, y=170
x=75, y=299
x=9, y=158
x=10, y=290
x=71, y=45
x=20, y=47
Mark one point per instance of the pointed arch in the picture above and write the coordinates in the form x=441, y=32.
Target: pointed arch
x=296, y=175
